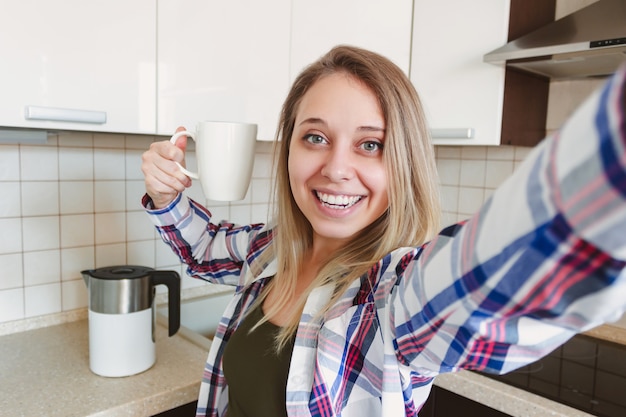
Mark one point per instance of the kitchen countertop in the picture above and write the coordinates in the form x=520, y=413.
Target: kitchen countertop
x=45, y=371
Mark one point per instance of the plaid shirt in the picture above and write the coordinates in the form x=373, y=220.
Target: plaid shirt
x=540, y=261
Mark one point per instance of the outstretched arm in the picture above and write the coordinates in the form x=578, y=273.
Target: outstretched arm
x=541, y=260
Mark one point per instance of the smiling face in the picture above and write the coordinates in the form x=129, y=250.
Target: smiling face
x=336, y=170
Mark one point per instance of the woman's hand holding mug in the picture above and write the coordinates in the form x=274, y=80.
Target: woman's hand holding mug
x=163, y=178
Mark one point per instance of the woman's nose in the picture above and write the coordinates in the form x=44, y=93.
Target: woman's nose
x=338, y=166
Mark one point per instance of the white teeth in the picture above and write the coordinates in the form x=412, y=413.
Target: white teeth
x=338, y=201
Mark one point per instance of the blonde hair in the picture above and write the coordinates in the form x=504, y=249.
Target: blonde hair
x=412, y=217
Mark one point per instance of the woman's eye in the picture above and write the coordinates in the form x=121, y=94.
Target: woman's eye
x=372, y=146
x=313, y=138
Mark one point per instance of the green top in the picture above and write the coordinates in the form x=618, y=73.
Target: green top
x=255, y=373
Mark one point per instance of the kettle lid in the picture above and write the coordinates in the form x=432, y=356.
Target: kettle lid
x=120, y=272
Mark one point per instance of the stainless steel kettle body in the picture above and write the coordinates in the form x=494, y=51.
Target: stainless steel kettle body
x=122, y=317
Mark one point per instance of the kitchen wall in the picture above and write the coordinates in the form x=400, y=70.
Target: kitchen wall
x=74, y=204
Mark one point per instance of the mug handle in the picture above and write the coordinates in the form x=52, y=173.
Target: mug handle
x=173, y=139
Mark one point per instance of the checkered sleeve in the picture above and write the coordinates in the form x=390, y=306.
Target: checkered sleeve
x=215, y=252
x=542, y=260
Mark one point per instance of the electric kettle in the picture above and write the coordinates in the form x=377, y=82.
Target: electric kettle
x=122, y=317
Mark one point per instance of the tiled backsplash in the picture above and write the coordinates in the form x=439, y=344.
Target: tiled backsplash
x=469, y=174
x=74, y=204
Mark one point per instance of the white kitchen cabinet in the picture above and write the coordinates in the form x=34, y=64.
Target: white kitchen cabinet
x=78, y=65
x=379, y=25
x=222, y=60
x=458, y=90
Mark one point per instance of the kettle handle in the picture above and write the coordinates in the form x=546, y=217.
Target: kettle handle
x=171, y=279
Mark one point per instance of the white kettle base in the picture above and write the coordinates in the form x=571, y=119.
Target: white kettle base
x=121, y=344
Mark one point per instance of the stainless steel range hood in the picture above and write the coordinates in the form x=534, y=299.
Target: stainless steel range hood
x=590, y=42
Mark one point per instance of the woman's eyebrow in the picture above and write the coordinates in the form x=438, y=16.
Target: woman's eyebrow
x=313, y=120
x=371, y=129
x=319, y=121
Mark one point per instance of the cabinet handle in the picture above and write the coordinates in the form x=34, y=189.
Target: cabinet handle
x=65, y=115
x=460, y=133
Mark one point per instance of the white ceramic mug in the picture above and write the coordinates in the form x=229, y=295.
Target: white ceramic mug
x=225, y=154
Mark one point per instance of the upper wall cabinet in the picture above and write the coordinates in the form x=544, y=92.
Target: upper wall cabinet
x=379, y=25
x=78, y=65
x=222, y=60
x=460, y=92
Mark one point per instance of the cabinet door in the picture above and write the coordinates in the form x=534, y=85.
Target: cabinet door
x=379, y=25
x=78, y=65
x=458, y=90
x=222, y=60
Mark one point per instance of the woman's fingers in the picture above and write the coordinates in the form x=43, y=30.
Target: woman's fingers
x=163, y=178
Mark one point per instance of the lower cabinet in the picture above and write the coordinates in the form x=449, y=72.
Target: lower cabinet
x=443, y=403
x=186, y=410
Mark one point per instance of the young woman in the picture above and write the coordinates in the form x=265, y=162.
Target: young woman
x=348, y=304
